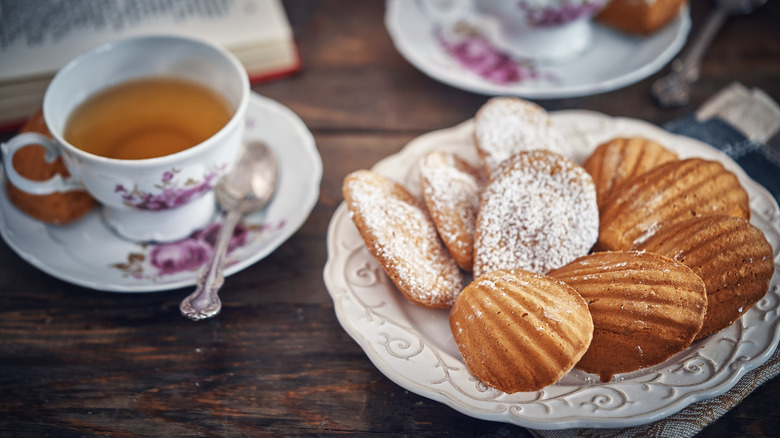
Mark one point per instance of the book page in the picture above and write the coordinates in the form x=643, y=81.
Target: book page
x=39, y=37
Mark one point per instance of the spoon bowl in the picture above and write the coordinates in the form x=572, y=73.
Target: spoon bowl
x=246, y=189
x=252, y=184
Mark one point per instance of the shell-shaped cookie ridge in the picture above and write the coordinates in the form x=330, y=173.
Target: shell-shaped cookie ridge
x=622, y=158
x=732, y=256
x=645, y=308
x=520, y=331
x=669, y=193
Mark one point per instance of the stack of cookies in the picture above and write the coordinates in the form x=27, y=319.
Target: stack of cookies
x=608, y=267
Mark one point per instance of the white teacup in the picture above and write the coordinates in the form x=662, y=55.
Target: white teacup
x=163, y=198
x=542, y=30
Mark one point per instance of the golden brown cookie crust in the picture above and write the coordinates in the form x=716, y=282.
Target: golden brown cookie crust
x=620, y=159
x=645, y=308
x=519, y=331
x=669, y=193
x=733, y=257
x=54, y=208
x=639, y=16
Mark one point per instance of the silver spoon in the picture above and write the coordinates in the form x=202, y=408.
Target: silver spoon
x=673, y=90
x=247, y=188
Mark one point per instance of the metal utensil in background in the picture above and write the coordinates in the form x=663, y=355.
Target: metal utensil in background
x=247, y=188
x=673, y=90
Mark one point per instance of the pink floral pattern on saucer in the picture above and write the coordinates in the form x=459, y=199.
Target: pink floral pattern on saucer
x=87, y=253
x=191, y=253
x=477, y=54
x=172, y=193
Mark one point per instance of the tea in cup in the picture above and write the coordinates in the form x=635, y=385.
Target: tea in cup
x=146, y=125
x=541, y=30
x=147, y=118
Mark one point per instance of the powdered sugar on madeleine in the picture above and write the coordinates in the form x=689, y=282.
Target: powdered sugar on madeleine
x=504, y=126
x=451, y=188
x=539, y=212
x=400, y=234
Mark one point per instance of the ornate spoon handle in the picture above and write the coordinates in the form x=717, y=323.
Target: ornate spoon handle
x=674, y=90
x=204, y=302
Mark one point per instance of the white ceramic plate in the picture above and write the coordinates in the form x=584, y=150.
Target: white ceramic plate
x=414, y=347
x=614, y=60
x=88, y=254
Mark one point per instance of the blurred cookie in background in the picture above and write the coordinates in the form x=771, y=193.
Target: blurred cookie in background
x=641, y=17
x=54, y=208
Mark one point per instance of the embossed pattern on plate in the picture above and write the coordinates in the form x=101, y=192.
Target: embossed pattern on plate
x=414, y=347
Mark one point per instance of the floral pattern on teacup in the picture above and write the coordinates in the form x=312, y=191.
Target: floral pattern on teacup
x=173, y=192
x=547, y=14
x=191, y=253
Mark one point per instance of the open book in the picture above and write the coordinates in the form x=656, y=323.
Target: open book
x=38, y=38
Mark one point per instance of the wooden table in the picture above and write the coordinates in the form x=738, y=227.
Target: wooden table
x=78, y=362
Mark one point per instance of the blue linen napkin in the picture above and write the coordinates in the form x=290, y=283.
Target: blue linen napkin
x=760, y=161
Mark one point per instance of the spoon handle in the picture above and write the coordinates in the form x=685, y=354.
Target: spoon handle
x=673, y=90
x=204, y=302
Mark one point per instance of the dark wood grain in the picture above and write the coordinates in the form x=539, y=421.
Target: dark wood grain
x=276, y=362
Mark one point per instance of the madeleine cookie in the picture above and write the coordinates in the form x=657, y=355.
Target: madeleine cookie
x=645, y=308
x=642, y=17
x=519, y=331
x=538, y=212
x=54, y=208
x=451, y=189
x=669, y=193
x=620, y=159
x=400, y=234
x=732, y=257
x=504, y=126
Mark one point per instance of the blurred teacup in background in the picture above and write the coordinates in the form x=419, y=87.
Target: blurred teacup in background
x=540, y=30
x=145, y=125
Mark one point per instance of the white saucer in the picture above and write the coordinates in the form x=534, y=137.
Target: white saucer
x=614, y=60
x=88, y=254
x=414, y=346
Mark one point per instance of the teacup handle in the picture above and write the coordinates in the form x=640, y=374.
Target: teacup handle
x=57, y=183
